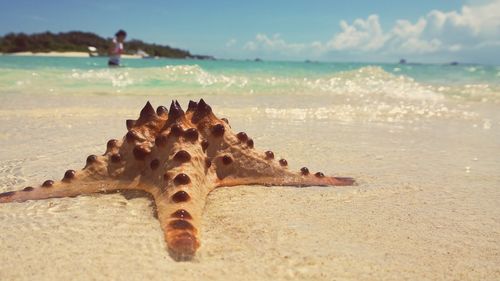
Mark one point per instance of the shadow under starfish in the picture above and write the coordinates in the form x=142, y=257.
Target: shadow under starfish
x=179, y=158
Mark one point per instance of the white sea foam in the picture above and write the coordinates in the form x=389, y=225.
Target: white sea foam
x=364, y=82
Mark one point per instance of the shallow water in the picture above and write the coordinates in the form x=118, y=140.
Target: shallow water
x=342, y=91
x=86, y=76
x=422, y=141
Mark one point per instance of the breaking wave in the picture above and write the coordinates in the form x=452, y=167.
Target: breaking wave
x=191, y=79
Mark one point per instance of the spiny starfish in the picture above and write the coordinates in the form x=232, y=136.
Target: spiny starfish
x=179, y=158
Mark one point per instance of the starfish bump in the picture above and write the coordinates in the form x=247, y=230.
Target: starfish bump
x=179, y=158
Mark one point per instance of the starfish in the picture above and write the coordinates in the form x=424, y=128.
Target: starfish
x=179, y=158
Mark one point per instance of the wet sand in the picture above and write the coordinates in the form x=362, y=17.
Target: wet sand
x=426, y=207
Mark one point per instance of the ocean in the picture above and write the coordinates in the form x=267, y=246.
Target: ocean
x=390, y=91
x=421, y=140
x=156, y=76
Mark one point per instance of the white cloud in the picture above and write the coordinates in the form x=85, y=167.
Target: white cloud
x=273, y=43
x=405, y=29
x=455, y=48
x=482, y=20
x=231, y=42
x=471, y=28
x=364, y=35
x=250, y=46
x=419, y=46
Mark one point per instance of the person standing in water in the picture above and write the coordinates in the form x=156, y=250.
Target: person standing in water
x=116, y=49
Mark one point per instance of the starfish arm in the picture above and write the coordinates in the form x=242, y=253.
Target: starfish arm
x=120, y=168
x=252, y=168
x=181, y=194
x=238, y=164
x=101, y=174
x=73, y=184
x=236, y=161
x=295, y=180
x=180, y=214
x=63, y=189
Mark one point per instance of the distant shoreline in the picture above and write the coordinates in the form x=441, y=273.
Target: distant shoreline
x=61, y=54
x=79, y=43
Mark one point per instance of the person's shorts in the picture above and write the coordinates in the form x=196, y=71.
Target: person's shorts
x=113, y=63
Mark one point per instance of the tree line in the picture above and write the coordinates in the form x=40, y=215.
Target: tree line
x=78, y=41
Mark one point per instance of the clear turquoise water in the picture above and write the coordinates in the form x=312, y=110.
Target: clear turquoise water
x=91, y=76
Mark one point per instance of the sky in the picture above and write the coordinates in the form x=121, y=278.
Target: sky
x=431, y=31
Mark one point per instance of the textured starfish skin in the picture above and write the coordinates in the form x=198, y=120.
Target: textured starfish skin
x=179, y=158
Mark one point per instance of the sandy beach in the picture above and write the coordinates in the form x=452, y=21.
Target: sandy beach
x=426, y=207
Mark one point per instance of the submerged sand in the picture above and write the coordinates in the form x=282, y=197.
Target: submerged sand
x=427, y=206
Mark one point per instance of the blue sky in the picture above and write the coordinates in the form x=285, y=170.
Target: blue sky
x=356, y=30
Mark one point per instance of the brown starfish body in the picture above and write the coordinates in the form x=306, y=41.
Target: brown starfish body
x=179, y=158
